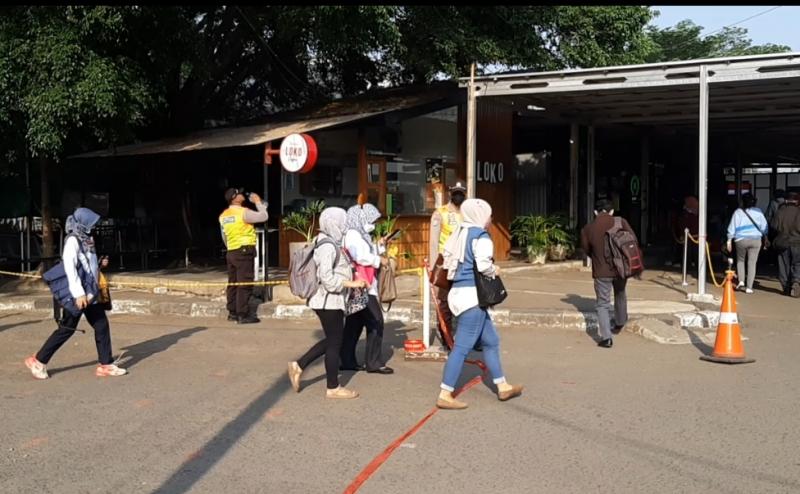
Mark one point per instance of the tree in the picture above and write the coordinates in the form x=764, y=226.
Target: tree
x=684, y=42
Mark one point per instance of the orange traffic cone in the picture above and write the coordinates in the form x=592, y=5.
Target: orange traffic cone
x=728, y=347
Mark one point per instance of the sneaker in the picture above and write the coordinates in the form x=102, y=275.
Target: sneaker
x=233, y=317
x=38, y=369
x=294, y=375
x=740, y=285
x=249, y=320
x=748, y=290
x=341, y=394
x=109, y=370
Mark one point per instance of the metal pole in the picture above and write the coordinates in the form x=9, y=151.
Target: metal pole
x=685, y=254
x=471, y=133
x=702, y=173
x=574, y=137
x=426, y=308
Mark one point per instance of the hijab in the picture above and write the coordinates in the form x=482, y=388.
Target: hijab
x=333, y=223
x=80, y=224
x=475, y=213
x=360, y=216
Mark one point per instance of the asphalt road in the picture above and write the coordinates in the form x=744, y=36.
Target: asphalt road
x=207, y=408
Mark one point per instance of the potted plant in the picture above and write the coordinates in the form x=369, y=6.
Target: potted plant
x=304, y=223
x=532, y=233
x=561, y=241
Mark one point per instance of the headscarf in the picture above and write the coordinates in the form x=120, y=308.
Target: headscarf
x=360, y=216
x=80, y=224
x=476, y=213
x=333, y=223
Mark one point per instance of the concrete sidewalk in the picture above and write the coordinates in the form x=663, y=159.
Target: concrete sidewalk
x=558, y=295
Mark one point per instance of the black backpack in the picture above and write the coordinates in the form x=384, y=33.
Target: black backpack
x=622, y=251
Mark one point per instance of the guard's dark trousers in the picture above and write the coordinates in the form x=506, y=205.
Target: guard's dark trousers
x=241, y=268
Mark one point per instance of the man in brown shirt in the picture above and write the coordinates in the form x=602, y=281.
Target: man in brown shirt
x=593, y=241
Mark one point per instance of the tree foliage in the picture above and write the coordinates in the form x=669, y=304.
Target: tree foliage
x=80, y=77
x=684, y=42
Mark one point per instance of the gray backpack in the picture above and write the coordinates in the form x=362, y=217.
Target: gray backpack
x=303, y=281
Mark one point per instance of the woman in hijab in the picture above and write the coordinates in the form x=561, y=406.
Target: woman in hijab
x=367, y=257
x=81, y=268
x=335, y=276
x=471, y=245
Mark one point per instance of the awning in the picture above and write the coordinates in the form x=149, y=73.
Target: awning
x=228, y=137
x=332, y=114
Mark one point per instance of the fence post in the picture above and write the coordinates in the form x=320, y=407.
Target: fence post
x=426, y=307
x=685, y=254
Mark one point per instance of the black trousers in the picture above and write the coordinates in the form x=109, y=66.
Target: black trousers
x=789, y=267
x=96, y=316
x=241, y=268
x=371, y=318
x=330, y=346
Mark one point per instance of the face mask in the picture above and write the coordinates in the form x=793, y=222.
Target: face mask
x=457, y=199
x=369, y=228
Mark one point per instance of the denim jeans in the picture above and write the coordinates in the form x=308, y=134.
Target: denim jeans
x=473, y=324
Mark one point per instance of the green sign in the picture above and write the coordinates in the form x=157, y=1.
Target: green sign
x=636, y=186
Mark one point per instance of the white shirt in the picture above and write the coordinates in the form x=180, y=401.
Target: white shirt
x=365, y=254
x=463, y=298
x=71, y=256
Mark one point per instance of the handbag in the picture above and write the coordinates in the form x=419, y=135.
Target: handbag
x=357, y=300
x=764, y=240
x=491, y=291
x=438, y=275
x=387, y=284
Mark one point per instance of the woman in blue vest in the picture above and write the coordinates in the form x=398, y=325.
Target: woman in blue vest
x=468, y=248
x=82, y=270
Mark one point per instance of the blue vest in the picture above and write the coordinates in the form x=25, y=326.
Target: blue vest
x=465, y=274
x=56, y=279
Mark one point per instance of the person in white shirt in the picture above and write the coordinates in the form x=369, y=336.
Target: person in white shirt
x=366, y=255
x=468, y=249
x=82, y=270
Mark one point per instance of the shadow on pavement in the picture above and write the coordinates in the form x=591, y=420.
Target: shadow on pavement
x=143, y=350
x=583, y=305
x=699, y=344
x=217, y=447
x=22, y=323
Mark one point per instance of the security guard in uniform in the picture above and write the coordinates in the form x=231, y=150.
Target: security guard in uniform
x=239, y=237
x=445, y=222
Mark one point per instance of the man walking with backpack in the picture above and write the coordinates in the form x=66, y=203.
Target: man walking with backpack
x=614, y=250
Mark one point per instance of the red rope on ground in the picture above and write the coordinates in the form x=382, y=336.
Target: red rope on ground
x=379, y=460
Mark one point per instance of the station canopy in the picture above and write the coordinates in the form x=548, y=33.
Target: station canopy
x=746, y=94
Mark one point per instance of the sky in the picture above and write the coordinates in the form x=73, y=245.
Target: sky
x=779, y=26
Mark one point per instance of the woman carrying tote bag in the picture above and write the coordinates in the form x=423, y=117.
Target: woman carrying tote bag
x=468, y=254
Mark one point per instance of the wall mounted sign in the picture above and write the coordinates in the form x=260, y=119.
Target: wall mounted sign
x=492, y=173
x=298, y=153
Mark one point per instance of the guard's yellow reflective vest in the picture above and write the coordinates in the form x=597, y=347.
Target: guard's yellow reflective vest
x=237, y=232
x=450, y=222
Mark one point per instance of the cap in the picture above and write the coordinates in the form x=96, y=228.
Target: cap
x=458, y=186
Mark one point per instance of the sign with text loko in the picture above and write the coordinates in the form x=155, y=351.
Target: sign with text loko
x=489, y=172
x=298, y=153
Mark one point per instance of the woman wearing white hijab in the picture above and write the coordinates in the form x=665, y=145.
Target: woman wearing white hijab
x=471, y=245
x=328, y=303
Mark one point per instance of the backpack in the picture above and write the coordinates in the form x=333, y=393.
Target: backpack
x=303, y=281
x=56, y=279
x=622, y=251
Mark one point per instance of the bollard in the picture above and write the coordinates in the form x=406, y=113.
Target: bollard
x=685, y=254
x=426, y=307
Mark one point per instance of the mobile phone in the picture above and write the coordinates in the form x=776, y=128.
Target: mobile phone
x=393, y=235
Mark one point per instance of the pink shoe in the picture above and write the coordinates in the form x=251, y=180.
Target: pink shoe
x=109, y=370
x=38, y=369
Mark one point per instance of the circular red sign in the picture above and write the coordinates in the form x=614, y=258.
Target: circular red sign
x=298, y=153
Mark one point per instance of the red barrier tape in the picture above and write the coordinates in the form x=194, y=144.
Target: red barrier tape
x=379, y=460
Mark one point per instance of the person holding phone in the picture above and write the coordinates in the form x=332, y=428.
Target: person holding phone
x=366, y=254
x=239, y=236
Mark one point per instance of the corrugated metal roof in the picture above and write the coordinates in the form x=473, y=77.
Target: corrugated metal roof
x=332, y=114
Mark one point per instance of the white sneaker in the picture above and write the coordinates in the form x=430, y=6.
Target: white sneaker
x=38, y=369
x=109, y=370
x=748, y=290
x=740, y=285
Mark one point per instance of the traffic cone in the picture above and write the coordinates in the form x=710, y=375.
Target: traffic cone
x=728, y=347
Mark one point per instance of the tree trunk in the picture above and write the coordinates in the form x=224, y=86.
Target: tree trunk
x=48, y=249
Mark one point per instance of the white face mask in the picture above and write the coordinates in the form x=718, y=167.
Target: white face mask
x=369, y=228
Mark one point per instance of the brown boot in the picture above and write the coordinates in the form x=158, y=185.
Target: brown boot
x=509, y=393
